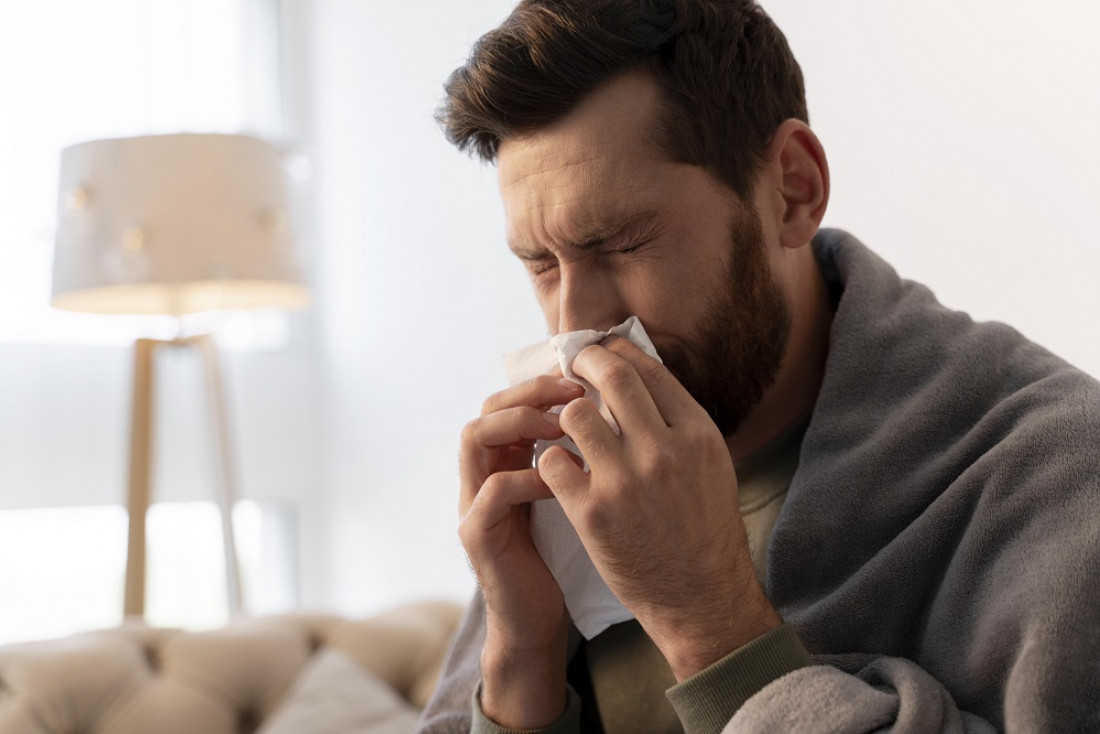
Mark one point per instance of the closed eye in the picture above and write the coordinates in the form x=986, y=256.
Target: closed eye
x=540, y=265
x=629, y=247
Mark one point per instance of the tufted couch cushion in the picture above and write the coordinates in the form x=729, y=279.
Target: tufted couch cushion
x=136, y=679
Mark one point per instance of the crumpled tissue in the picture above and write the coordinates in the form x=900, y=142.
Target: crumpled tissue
x=592, y=606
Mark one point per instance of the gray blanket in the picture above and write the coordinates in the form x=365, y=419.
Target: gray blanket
x=939, y=550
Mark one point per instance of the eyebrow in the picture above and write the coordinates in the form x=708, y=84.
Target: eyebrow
x=596, y=235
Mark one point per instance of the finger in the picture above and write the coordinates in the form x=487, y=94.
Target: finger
x=496, y=498
x=512, y=425
x=561, y=473
x=622, y=389
x=544, y=391
x=673, y=401
x=484, y=440
x=591, y=432
x=509, y=459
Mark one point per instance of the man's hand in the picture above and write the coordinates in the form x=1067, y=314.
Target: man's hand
x=659, y=513
x=524, y=659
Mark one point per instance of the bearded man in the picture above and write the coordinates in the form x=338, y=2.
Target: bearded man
x=836, y=505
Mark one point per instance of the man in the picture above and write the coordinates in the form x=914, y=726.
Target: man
x=837, y=506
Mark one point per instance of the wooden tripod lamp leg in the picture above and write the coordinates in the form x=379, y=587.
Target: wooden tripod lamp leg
x=228, y=495
x=137, y=502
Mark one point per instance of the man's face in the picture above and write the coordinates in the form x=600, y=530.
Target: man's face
x=609, y=228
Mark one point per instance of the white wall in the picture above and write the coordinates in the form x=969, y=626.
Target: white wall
x=960, y=140
x=417, y=296
x=65, y=421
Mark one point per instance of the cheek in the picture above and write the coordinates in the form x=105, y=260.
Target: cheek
x=671, y=299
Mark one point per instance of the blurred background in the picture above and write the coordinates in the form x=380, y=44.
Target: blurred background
x=963, y=149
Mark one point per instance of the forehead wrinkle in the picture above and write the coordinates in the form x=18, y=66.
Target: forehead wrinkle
x=597, y=197
x=594, y=233
x=541, y=217
x=547, y=169
x=601, y=230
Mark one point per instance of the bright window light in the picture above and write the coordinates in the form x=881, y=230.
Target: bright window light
x=62, y=569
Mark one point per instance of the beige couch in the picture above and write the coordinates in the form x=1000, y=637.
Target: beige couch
x=266, y=674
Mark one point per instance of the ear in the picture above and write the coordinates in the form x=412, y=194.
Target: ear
x=801, y=175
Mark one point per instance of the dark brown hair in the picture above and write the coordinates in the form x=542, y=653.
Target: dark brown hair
x=726, y=72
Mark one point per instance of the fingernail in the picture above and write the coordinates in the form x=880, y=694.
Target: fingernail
x=551, y=418
x=569, y=384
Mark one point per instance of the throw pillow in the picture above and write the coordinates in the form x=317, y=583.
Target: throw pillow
x=335, y=695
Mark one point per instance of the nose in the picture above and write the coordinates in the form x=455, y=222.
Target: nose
x=588, y=299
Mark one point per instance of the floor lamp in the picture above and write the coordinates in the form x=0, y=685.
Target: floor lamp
x=174, y=224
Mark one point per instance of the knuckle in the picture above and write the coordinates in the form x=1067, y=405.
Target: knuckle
x=492, y=403
x=598, y=518
x=705, y=433
x=700, y=431
x=467, y=533
x=493, y=485
x=528, y=416
x=480, y=504
x=470, y=432
x=464, y=528
x=694, y=434
x=663, y=459
x=575, y=413
x=545, y=465
x=651, y=371
x=618, y=374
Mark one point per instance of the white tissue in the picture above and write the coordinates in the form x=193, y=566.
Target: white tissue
x=591, y=604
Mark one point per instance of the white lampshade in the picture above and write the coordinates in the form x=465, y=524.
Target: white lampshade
x=174, y=224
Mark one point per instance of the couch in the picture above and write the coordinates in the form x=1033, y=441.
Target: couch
x=300, y=673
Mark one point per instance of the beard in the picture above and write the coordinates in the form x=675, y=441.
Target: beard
x=735, y=355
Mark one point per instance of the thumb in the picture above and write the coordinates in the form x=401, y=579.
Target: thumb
x=563, y=473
